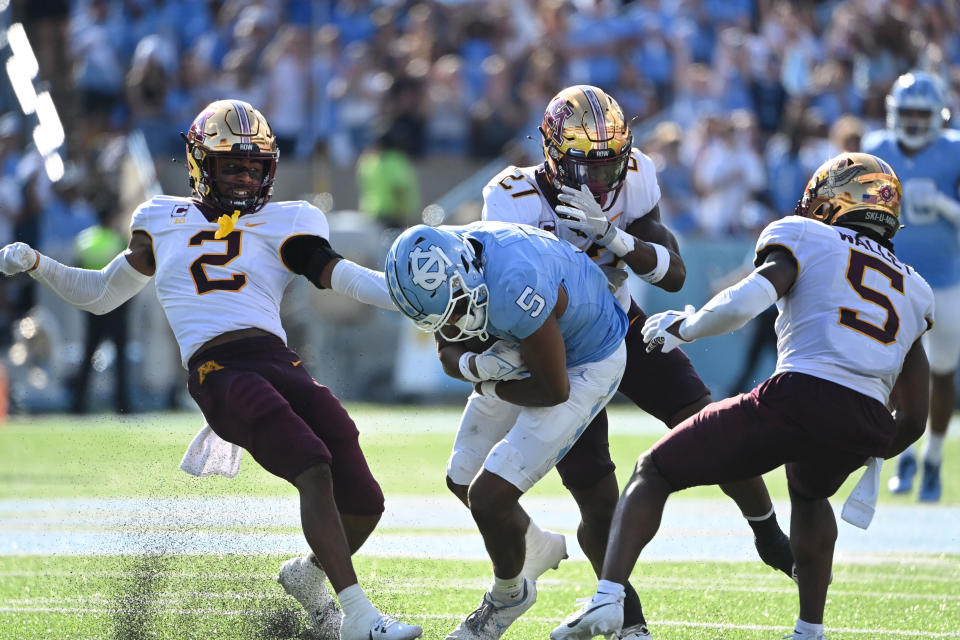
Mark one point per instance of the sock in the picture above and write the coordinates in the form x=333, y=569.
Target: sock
x=507, y=590
x=612, y=588
x=355, y=603
x=933, y=452
x=808, y=628
x=764, y=527
x=632, y=611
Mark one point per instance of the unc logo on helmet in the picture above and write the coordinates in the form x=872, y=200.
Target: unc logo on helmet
x=433, y=273
x=428, y=268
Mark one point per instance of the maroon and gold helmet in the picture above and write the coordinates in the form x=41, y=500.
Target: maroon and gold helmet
x=586, y=141
x=230, y=130
x=854, y=188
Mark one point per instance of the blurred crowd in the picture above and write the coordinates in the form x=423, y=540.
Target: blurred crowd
x=737, y=101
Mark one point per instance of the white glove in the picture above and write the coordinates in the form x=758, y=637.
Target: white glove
x=586, y=216
x=501, y=361
x=16, y=258
x=583, y=214
x=655, y=329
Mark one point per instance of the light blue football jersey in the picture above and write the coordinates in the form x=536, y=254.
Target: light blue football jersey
x=928, y=242
x=523, y=267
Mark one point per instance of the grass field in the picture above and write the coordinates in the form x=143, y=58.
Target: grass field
x=233, y=595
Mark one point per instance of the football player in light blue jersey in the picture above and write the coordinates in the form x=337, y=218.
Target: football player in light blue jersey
x=926, y=157
x=556, y=360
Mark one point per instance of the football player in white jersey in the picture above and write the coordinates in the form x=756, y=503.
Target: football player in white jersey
x=926, y=156
x=222, y=259
x=851, y=317
x=598, y=192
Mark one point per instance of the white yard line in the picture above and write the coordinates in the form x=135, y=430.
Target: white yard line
x=691, y=530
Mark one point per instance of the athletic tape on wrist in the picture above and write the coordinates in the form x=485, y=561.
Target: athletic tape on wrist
x=663, y=264
x=620, y=242
x=465, y=368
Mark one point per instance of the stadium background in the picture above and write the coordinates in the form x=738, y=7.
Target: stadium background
x=386, y=108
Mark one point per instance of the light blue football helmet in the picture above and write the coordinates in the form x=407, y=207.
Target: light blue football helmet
x=917, y=109
x=434, y=272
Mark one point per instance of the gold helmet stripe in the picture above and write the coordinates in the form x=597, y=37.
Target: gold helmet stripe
x=597, y=116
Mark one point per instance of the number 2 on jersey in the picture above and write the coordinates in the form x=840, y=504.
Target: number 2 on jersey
x=205, y=284
x=856, y=270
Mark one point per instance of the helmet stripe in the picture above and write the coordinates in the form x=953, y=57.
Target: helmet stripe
x=597, y=116
x=244, y=121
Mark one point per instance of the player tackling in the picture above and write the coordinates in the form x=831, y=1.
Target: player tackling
x=222, y=259
x=851, y=317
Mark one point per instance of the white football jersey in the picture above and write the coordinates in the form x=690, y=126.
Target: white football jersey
x=854, y=311
x=208, y=286
x=513, y=195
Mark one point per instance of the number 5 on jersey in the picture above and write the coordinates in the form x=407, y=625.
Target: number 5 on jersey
x=530, y=299
x=198, y=267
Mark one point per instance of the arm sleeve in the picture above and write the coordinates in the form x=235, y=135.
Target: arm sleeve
x=362, y=284
x=730, y=309
x=95, y=291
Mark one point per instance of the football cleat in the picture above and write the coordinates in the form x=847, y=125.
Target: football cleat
x=491, y=618
x=383, y=628
x=636, y=632
x=902, y=482
x=601, y=615
x=796, y=635
x=776, y=554
x=543, y=554
x=930, y=486
x=306, y=582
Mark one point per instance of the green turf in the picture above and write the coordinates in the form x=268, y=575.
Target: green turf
x=227, y=597
x=43, y=457
x=194, y=598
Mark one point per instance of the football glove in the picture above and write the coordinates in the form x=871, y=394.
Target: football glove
x=501, y=361
x=582, y=213
x=656, y=329
x=615, y=276
x=16, y=258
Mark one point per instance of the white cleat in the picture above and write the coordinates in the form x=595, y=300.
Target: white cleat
x=601, y=615
x=796, y=635
x=636, y=632
x=543, y=554
x=307, y=582
x=491, y=618
x=383, y=628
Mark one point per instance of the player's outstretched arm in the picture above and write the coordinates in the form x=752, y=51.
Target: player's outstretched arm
x=314, y=258
x=728, y=310
x=90, y=290
x=910, y=399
